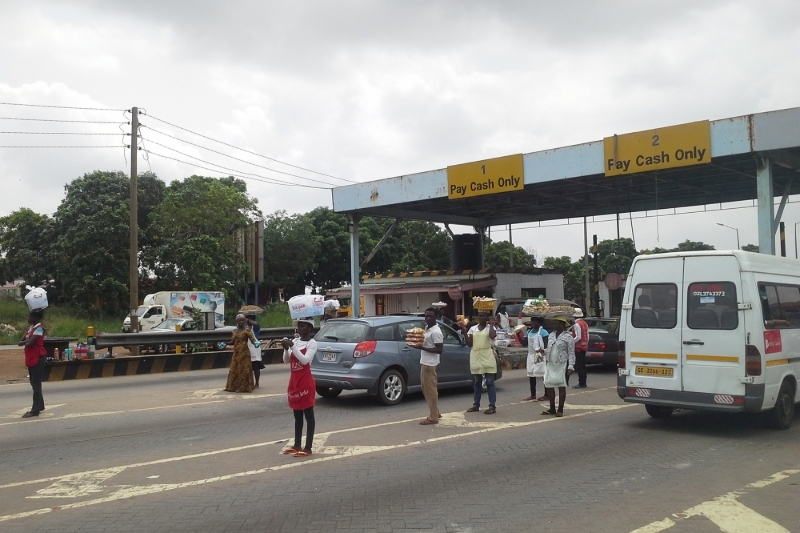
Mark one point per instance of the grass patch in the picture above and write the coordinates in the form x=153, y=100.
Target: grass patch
x=58, y=321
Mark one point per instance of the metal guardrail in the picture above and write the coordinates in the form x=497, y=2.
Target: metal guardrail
x=146, y=338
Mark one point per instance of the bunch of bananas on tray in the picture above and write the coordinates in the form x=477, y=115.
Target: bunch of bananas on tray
x=540, y=307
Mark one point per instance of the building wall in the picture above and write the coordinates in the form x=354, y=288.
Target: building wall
x=511, y=285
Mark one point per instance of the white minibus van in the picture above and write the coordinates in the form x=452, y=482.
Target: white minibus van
x=711, y=330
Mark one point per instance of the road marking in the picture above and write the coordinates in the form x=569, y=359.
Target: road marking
x=77, y=485
x=18, y=413
x=727, y=513
x=126, y=492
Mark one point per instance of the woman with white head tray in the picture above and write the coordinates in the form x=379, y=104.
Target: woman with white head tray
x=560, y=361
x=302, y=388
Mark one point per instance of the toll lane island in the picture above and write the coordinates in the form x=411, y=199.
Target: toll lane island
x=488, y=185
x=644, y=161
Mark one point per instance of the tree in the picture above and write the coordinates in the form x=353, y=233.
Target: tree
x=574, y=276
x=195, y=235
x=290, y=247
x=332, y=263
x=414, y=245
x=750, y=248
x=25, y=241
x=90, y=249
x=615, y=255
x=691, y=246
x=496, y=255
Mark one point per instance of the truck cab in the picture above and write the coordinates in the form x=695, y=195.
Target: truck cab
x=149, y=317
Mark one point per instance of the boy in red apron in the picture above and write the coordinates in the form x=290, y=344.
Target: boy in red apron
x=35, y=359
x=302, y=388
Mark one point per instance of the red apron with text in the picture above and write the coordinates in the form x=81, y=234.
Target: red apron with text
x=302, y=387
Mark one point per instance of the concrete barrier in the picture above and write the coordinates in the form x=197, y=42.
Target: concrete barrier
x=147, y=364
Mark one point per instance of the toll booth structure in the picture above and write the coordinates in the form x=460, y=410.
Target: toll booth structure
x=750, y=157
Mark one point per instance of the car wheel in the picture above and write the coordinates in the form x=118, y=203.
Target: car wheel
x=328, y=392
x=656, y=411
x=391, y=387
x=782, y=414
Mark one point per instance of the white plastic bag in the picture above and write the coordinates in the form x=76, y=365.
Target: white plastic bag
x=306, y=305
x=36, y=298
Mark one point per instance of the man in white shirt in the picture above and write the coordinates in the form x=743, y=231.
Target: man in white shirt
x=428, y=361
x=502, y=319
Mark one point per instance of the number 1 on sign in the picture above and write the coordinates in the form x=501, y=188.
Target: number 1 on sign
x=483, y=169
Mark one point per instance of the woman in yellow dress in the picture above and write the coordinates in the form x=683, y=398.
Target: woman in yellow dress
x=482, y=363
x=240, y=375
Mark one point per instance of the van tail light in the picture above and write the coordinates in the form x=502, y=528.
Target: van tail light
x=365, y=348
x=752, y=360
x=598, y=346
x=621, y=354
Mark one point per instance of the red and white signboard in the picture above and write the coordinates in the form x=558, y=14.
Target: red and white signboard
x=455, y=293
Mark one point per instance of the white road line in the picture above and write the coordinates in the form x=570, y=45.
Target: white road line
x=727, y=513
x=126, y=492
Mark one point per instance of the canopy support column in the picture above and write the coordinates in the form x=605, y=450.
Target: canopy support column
x=766, y=206
x=355, y=271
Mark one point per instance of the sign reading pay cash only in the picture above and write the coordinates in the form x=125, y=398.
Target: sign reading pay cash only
x=674, y=146
x=491, y=176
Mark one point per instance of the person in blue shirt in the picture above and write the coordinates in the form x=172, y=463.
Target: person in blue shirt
x=536, y=340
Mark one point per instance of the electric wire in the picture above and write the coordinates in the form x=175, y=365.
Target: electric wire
x=64, y=107
x=236, y=158
x=255, y=177
x=247, y=151
x=70, y=146
x=227, y=169
x=55, y=133
x=60, y=120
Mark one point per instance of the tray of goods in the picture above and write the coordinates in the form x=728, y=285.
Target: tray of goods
x=415, y=336
x=462, y=320
x=480, y=303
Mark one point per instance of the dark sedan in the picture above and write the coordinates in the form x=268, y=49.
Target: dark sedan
x=603, y=338
x=371, y=354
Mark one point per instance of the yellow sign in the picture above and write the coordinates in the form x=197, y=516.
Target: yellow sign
x=674, y=146
x=491, y=176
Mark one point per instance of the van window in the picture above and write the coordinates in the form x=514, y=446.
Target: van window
x=654, y=306
x=712, y=305
x=780, y=305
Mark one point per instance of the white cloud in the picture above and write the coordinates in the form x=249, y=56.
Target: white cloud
x=367, y=90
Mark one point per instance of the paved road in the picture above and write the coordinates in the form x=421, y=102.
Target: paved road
x=175, y=453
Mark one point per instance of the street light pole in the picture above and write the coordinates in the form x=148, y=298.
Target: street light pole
x=738, y=246
x=795, y=240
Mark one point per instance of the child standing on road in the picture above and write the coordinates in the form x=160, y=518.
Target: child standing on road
x=302, y=388
x=255, y=352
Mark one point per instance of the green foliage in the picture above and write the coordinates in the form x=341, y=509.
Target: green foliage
x=195, y=232
x=616, y=255
x=574, y=276
x=750, y=248
x=496, y=255
x=25, y=239
x=332, y=264
x=291, y=247
x=58, y=321
x=691, y=246
x=275, y=316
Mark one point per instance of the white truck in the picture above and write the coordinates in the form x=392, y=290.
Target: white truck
x=160, y=306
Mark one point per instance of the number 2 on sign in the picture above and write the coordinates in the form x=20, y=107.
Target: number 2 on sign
x=655, y=140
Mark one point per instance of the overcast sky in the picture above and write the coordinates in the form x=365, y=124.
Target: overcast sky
x=364, y=90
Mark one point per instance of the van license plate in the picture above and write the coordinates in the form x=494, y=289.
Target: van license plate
x=654, y=371
x=329, y=356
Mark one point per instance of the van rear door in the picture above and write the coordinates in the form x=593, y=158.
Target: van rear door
x=713, y=329
x=652, y=333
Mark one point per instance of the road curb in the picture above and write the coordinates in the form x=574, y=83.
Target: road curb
x=147, y=364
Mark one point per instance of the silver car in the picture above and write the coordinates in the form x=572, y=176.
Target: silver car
x=371, y=354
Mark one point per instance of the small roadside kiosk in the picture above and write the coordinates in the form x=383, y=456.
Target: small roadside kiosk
x=706, y=162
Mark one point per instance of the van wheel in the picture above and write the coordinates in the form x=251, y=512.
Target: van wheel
x=391, y=387
x=782, y=414
x=328, y=392
x=656, y=411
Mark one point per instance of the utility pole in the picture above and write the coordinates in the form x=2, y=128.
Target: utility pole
x=134, y=223
x=587, y=298
x=596, y=291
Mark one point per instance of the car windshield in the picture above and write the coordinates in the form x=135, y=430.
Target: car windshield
x=609, y=326
x=169, y=324
x=141, y=310
x=342, y=332
x=513, y=309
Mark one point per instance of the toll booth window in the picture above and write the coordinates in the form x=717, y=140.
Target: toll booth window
x=780, y=305
x=712, y=305
x=655, y=306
